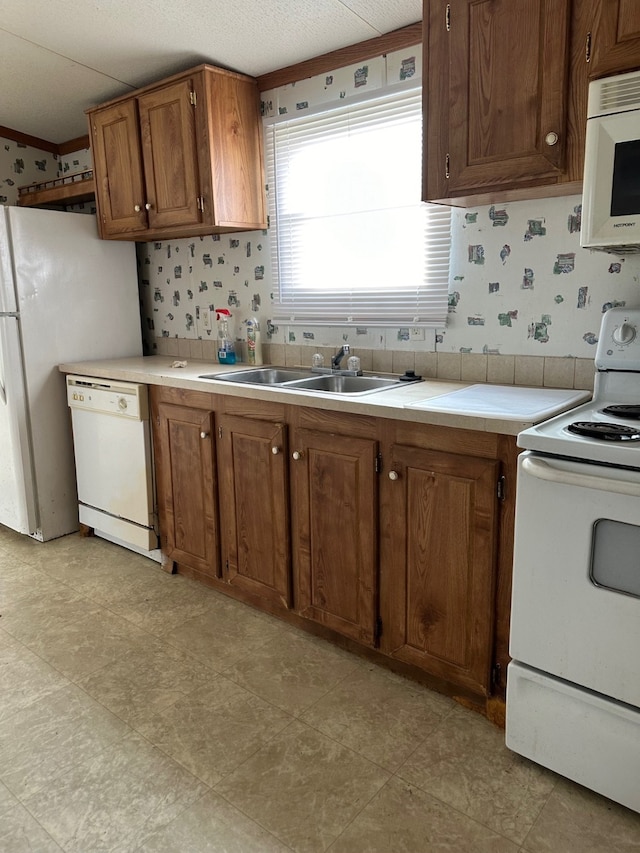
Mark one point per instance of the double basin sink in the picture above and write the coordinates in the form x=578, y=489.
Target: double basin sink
x=306, y=380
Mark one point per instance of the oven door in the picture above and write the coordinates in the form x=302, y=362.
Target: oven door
x=576, y=575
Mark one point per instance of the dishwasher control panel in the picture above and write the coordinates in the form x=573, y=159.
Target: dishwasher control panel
x=124, y=399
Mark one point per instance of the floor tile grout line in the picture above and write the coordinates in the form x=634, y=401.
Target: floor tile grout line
x=359, y=812
x=62, y=773
x=247, y=758
x=224, y=775
x=248, y=816
x=518, y=844
x=93, y=756
x=539, y=815
x=430, y=734
x=35, y=819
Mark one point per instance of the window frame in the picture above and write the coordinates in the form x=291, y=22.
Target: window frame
x=424, y=304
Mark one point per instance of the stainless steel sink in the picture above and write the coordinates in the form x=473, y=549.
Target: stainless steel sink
x=260, y=375
x=337, y=384
x=305, y=380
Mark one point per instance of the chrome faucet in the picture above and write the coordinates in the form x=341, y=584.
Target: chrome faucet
x=337, y=358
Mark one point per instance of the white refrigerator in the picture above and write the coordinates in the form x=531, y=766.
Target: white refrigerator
x=65, y=295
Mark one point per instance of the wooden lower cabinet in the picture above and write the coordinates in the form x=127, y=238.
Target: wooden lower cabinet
x=439, y=561
x=335, y=550
x=254, y=507
x=186, y=483
x=392, y=535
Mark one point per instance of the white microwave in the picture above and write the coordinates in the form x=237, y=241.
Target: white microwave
x=611, y=190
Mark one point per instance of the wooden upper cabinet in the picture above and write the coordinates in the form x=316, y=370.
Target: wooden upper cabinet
x=495, y=94
x=170, y=157
x=119, y=182
x=180, y=158
x=615, y=44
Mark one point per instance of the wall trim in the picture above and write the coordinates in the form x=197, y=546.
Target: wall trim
x=395, y=40
x=74, y=145
x=44, y=144
x=25, y=139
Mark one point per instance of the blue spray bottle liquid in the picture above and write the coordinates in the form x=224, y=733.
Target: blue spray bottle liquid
x=226, y=346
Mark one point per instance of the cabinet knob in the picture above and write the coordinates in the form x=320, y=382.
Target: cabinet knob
x=551, y=138
x=204, y=434
x=297, y=454
x=147, y=206
x=275, y=450
x=393, y=475
x=137, y=208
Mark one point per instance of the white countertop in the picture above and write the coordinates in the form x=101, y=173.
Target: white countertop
x=479, y=408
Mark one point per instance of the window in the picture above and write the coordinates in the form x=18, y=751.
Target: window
x=351, y=240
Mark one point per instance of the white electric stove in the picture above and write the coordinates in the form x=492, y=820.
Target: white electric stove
x=573, y=686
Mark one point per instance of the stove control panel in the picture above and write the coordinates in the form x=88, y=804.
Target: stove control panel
x=619, y=341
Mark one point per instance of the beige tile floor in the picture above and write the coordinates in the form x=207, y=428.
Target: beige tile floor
x=143, y=712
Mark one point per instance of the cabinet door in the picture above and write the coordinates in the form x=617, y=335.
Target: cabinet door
x=439, y=546
x=335, y=531
x=120, y=194
x=167, y=124
x=254, y=507
x=184, y=457
x=616, y=41
x=505, y=117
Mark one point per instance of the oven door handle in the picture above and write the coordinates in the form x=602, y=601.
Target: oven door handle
x=544, y=471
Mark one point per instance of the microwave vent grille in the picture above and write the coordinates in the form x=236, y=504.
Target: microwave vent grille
x=620, y=94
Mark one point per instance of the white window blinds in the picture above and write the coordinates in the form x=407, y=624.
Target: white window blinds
x=351, y=240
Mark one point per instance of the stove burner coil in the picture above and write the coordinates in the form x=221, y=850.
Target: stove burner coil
x=603, y=431
x=630, y=411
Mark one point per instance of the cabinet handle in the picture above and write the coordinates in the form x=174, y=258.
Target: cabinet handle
x=275, y=450
x=137, y=208
x=393, y=475
x=587, y=48
x=297, y=454
x=204, y=434
x=551, y=138
x=147, y=206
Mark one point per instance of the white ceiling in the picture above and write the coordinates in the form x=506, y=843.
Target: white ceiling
x=58, y=57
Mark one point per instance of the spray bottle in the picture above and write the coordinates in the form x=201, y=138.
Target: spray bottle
x=226, y=346
x=254, y=344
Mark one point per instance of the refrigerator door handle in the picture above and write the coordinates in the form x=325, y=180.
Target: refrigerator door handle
x=3, y=390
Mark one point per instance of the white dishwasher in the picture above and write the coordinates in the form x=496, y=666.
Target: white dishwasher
x=114, y=463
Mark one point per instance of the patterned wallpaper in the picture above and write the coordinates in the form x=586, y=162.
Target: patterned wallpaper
x=520, y=285
x=21, y=165
x=179, y=278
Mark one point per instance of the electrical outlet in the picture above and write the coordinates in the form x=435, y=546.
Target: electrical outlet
x=416, y=333
x=205, y=319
